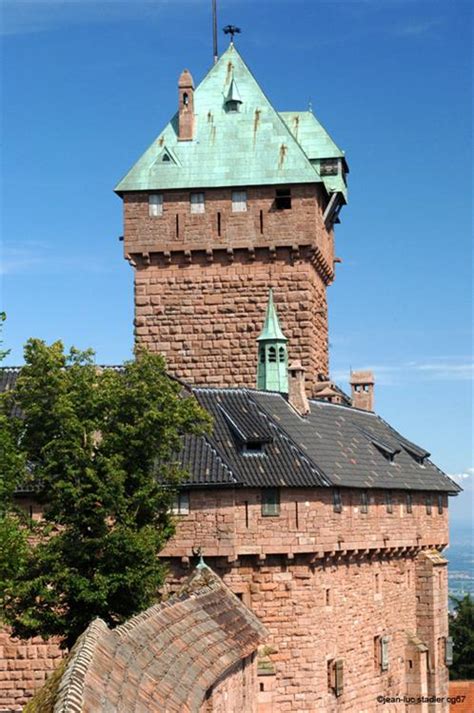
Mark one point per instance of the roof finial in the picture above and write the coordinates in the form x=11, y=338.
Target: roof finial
x=232, y=30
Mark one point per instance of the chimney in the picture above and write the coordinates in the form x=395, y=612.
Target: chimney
x=362, y=388
x=296, y=388
x=186, y=106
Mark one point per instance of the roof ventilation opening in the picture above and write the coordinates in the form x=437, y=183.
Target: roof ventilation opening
x=233, y=99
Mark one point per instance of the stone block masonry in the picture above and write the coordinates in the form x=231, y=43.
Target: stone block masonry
x=204, y=317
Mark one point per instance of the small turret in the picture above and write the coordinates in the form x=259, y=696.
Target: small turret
x=186, y=106
x=272, y=370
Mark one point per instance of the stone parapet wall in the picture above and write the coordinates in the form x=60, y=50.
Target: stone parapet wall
x=229, y=522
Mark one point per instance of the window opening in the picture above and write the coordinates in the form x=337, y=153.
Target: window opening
x=246, y=513
x=337, y=500
x=364, y=502
x=239, y=201
x=155, y=205
x=297, y=518
x=409, y=503
x=283, y=198
x=185, y=99
x=181, y=503
x=389, y=502
x=272, y=354
x=197, y=202
x=281, y=354
x=440, y=504
x=428, y=502
x=177, y=225
x=218, y=224
x=270, y=502
x=261, y=222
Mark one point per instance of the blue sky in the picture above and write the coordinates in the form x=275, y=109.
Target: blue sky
x=87, y=86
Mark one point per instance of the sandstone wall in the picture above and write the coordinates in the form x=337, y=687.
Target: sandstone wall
x=236, y=692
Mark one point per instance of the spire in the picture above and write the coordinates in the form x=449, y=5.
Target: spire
x=272, y=369
x=271, y=328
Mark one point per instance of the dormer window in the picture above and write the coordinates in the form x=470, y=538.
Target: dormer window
x=283, y=198
x=252, y=448
x=329, y=167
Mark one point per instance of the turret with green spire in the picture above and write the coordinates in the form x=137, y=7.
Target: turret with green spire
x=272, y=370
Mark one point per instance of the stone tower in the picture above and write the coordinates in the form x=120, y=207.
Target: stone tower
x=231, y=199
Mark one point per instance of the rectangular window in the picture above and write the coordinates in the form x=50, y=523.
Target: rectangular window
x=197, y=202
x=336, y=677
x=337, y=500
x=389, y=501
x=428, y=503
x=384, y=653
x=409, y=503
x=239, y=201
x=283, y=198
x=181, y=503
x=440, y=504
x=155, y=205
x=270, y=502
x=448, y=652
x=364, y=502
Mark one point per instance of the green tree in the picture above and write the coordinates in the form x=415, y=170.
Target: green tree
x=461, y=628
x=103, y=443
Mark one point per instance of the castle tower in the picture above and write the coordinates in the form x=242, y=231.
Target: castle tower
x=272, y=369
x=232, y=198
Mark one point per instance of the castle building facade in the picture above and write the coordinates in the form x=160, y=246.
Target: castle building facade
x=324, y=520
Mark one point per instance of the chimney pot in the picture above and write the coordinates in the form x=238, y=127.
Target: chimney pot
x=186, y=106
x=296, y=388
x=362, y=388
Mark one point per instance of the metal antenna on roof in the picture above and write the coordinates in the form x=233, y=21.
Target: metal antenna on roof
x=214, y=30
x=232, y=30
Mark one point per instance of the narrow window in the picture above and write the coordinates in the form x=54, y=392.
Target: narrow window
x=283, y=198
x=440, y=504
x=177, y=225
x=409, y=503
x=364, y=502
x=246, y=513
x=218, y=224
x=239, y=201
x=281, y=354
x=185, y=99
x=428, y=503
x=384, y=653
x=328, y=597
x=389, y=501
x=297, y=515
x=261, y=222
x=181, y=503
x=197, y=202
x=339, y=677
x=377, y=583
x=272, y=356
x=440, y=579
x=155, y=205
x=408, y=578
x=270, y=502
x=337, y=500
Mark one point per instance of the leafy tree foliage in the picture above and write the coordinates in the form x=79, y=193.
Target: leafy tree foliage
x=102, y=443
x=461, y=628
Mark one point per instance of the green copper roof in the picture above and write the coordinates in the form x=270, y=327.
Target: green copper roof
x=316, y=143
x=271, y=328
x=233, y=94
x=252, y=146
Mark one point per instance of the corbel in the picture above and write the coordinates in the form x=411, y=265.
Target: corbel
x=230, y=254
x=130, y=260
x=273, y=252
x=251, y=254
x=167, y=257
x=210, y=255
x=146, y=258
x=188, y=256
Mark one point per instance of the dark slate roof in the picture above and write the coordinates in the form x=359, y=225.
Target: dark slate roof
x=345, y=442
x=335, y=445
x=280, y=463
x=164, y=659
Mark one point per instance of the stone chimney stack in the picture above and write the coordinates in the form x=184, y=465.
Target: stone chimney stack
x=296, y=388
x=186, y=106
x=362, y=386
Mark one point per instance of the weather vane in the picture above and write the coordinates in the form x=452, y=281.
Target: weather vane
x=232, y=30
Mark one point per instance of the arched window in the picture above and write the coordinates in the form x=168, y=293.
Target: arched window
x=281, y=353
x=272, y=355
x=185, y=99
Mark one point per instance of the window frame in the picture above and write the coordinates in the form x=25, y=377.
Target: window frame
x=155, y=207
x=283, y=199
x=197, y=207
x=239, y=205
x=270, y=507
x=181, y=504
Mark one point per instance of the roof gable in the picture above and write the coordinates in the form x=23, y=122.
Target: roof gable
x=251, y=146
